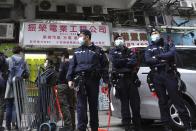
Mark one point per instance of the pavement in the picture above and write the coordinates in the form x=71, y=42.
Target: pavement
x=116, y=124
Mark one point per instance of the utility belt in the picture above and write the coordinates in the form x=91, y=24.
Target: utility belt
x=88, y=74
x=115, y=79
x=154, y=70
x=79, y=83
x=121, y=74
x=163, y=69
x=80, y=80
x=181, y=84
x=117, y=76
x=166, y=67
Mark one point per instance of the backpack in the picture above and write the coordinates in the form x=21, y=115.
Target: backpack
x=18, y=69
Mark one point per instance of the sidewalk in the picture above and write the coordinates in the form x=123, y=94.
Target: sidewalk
x=115, y=123
x=103, y=120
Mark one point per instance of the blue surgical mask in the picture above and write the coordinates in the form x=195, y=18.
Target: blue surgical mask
x=119, y=42
x=155, y=37
x=81, y=40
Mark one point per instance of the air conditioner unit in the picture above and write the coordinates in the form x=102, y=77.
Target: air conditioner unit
x=47, y=5
x=185, y=5
x=6, y=3
x=105, y=10
x=6, y=31
x=79, y=9
x=97, y=9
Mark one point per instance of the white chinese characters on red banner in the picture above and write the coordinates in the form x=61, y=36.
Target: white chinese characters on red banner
x=59, y=34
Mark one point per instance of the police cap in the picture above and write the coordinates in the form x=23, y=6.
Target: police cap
x=85, y=32
x=154, y=31
x=116, y=36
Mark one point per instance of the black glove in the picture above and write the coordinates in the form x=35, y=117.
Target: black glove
x=158, y=57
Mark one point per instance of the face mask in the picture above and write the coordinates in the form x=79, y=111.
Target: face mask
x=155, y=37
x=81, y=40
x=119, y=42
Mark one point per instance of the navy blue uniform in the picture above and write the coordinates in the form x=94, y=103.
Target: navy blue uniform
x=123, y=63
x=91, y=61
x=161, y=59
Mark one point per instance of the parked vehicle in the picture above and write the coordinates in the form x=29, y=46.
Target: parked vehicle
x=186, y=62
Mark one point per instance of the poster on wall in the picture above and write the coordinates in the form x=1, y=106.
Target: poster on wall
x=59, y=34
x=133, y=37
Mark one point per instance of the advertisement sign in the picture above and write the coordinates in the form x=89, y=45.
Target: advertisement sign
x=59, y=34
x=132, y=37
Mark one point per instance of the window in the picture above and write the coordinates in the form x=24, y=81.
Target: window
x=186, y=58
x=139, y=15
x=61, y=9
x=156, y=20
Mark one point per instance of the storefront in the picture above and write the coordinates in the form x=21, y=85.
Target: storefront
x=40, y=37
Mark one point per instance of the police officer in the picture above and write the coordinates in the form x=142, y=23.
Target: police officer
x=161, y=59
x=65, y=94
x=90, y=63
x=123, y=63
x=3, y=79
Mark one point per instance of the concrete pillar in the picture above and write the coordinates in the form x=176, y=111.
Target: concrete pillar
x=30, y=10
x=168, y=19
x=146, y=19
x=130, y=3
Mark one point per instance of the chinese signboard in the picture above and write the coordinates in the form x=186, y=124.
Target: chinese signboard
x=61, y=34
x=132, y=37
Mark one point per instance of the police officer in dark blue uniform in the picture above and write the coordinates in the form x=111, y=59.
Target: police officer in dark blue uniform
x=123, y=63
x=161, y=59
x=89, y=64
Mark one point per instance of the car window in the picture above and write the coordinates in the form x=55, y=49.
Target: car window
x=186, y=58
